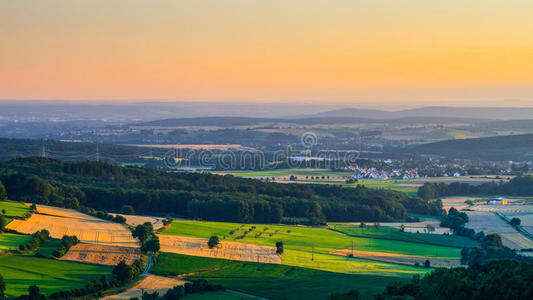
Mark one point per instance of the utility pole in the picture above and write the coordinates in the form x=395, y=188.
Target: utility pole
x=352, y=248
x=312, y=252
x=43, y=152
x=97, y=153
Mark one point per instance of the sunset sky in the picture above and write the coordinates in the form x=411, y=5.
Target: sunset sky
x=477, y=52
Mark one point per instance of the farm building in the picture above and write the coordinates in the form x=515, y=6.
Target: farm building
x=498, y=201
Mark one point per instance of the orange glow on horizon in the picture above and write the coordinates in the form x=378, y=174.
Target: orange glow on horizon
x=344, y=51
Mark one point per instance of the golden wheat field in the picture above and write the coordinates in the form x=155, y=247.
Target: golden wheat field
x=88, y=229
x=157, y=222
x=150, y=284
x=101, y=254
x=226, y=250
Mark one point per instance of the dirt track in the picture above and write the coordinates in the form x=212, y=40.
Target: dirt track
x=101, y=254
x=88, y=229
x=150, y=284
x=226, y=250
x=399, y=258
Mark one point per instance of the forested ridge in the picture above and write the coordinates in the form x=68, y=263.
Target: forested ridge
x=198, y=195
x=518, y=186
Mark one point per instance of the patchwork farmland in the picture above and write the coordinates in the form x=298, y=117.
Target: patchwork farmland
x=61, y=221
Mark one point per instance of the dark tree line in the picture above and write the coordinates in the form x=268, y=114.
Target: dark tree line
x=497, y=279
x=518, y=186
x=104, y=187
x=491, y=248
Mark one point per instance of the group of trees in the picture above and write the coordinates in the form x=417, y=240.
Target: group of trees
x=145, y=234
x=101, y=186
x=491, y=248
x=37, y=239
x=66, y=242
x=124, y=273
x=456, y=220
x=518, y=186
x=497, y=279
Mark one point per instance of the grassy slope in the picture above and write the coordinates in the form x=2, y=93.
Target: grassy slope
x=388, y=184
x=12, y=241
x=289, y=172
x=268, y=280
x=13, y=209
x=49, y=247
x=303, y=238
x=300, y=242
x=21, y=271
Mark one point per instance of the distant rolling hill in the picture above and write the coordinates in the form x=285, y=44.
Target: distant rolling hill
x=246, y=121
x=493, y=113
x=499, y=148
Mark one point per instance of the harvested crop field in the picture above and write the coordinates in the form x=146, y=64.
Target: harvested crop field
x=513, y=207
x=133, y=220
x=227, y=250
x=456, y=202
x=62, y=221
x=101, y=254
x=150, y=284
x=490, y=223
x=487, y=222
x=399, y=258
x=516, y=241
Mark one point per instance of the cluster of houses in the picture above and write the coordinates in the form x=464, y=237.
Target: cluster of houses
x=373, y=173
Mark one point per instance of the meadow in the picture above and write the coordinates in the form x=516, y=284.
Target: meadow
x=294, y=172
x=322, y=240
x=21, y=271
x=315, y=248
x=14, y=209
x=389, y=233
x=268, y=280
x=10, y=241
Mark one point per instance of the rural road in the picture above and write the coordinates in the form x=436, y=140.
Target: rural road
x=148, y=262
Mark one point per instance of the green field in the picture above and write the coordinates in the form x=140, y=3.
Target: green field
x=268, y=280
x=391, y=184
x=288, y=172
x=390, y=233
x=304, y=238
x=303, y=243
x=12, y=241
x=14, y=209
x=335, y=178
x=49, y=247
x=21, y=271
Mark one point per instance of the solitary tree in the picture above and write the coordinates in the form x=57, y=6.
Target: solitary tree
x=3, y=193
x=279, y=248
x=430, y=228
x=152, y=245
x=402, y=228
x=427, y=264
x=213, y=241
x=127, y=210
x=2, y=224
x=2, y=287
x=515, y=222
x=123, y=273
